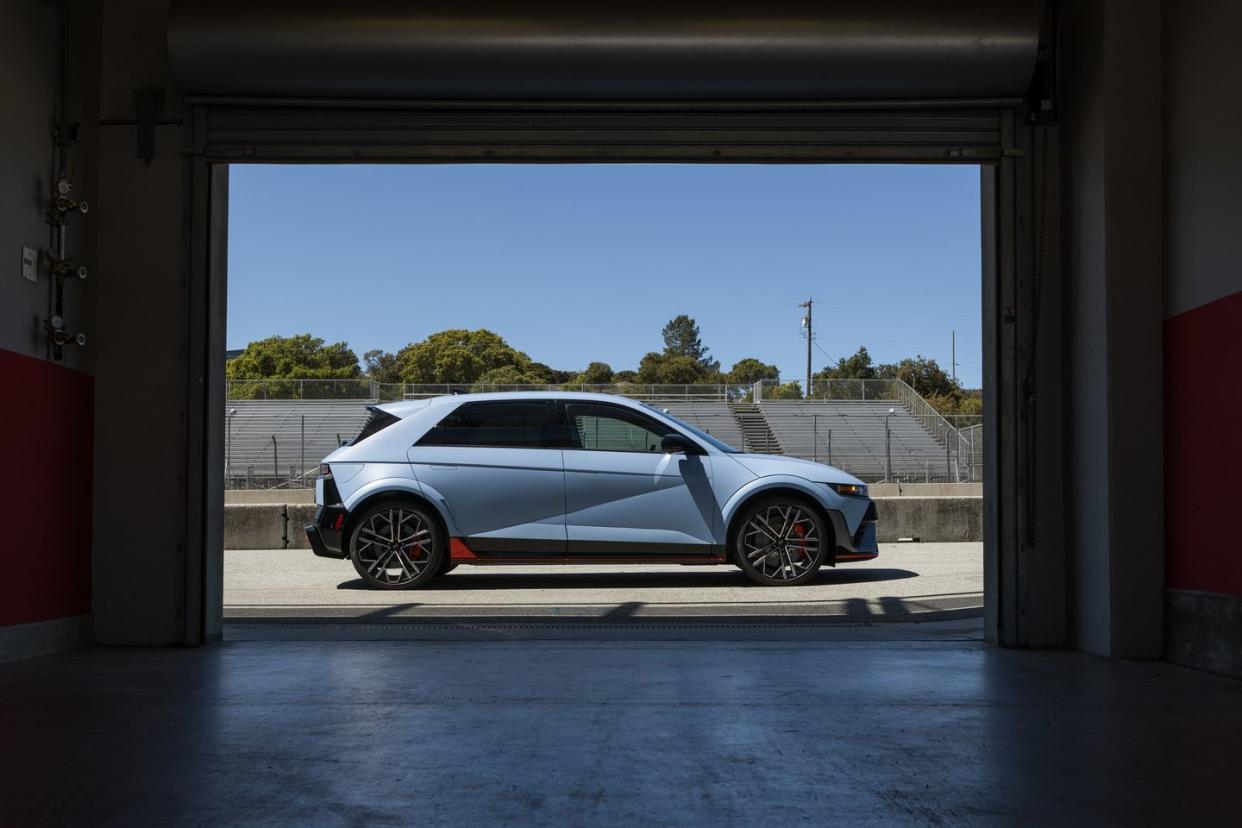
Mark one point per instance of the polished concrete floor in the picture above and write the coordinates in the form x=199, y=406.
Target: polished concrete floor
x=601, y=733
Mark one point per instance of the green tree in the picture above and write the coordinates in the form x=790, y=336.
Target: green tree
x=681, y=338
x=785, y=391
x=293, y=357
x=597, y=373
x=302, y=357
x=856, y=366
x=550, y=375
x=625, y=376
x=750, y=370
x=460, y=356
x=510, y=375
x=671, y=369
x=381, y=366
x=924, y=376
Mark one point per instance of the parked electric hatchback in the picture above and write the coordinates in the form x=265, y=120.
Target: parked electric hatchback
x=574, y=478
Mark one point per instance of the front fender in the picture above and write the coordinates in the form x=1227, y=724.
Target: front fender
x=818, y=494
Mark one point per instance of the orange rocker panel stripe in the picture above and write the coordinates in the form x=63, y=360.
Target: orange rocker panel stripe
x=458, y=551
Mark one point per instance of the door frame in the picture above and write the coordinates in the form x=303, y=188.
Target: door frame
x=1025, y=584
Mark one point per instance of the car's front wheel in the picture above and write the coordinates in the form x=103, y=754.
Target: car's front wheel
x=397, y=545
x=780, y=541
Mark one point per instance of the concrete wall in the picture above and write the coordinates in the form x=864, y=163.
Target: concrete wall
x=45, y=565
x=929, y=519
x=1202, y=346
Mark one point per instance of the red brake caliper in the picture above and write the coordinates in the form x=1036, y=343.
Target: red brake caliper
x=800, y=531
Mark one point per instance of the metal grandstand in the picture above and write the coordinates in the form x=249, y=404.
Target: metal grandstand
x=875, y=429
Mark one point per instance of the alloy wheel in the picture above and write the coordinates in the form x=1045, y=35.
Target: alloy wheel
x=394, y=546
x=781, y=542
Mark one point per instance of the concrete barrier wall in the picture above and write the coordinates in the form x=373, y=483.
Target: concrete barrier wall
x=930, y=519
x=249, y=526
x=280, y=496
x=879, y=490
x=299, y=514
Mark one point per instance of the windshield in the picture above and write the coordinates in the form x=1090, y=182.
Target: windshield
x=697, y=432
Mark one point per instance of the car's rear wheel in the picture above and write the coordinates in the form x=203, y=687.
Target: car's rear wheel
x=397, y=545
x=780, y=541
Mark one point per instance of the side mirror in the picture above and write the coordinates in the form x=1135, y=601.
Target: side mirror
x=673, y=443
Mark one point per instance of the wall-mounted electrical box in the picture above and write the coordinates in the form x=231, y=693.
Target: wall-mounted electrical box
x=30, y=264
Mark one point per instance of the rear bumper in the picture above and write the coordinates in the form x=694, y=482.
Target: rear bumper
x=325, y=534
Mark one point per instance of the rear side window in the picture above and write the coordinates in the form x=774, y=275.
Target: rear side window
x=497, y=424
x=377, y=422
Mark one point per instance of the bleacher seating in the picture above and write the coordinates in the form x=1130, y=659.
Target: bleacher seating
x=249, y=447
x=255, y=421
x=714, y=417
x=850, y=435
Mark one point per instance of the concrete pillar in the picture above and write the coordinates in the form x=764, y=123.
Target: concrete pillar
x=1111, y=86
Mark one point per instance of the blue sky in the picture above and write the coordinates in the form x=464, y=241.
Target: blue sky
x=573, y=263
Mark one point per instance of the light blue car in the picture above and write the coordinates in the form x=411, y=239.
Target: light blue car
x=574, y=478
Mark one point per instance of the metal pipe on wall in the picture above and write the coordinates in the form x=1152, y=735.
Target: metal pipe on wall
x=554, y=50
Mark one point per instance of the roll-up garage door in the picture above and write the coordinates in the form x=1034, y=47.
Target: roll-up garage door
x=541, y=80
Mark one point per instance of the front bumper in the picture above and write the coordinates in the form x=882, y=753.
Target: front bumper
x=326, y=534
x=860, y=546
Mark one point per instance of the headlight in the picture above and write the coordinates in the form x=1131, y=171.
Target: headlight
x=850, y=489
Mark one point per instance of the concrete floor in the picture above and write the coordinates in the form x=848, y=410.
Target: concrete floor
x=909, y=581
x=646, y=733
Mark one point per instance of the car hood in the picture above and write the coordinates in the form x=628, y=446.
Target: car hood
x=763, y=465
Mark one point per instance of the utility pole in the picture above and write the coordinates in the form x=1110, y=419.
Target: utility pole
x=806, y=323
x=953, y=357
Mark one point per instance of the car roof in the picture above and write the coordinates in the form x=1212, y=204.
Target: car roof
x=408, y=407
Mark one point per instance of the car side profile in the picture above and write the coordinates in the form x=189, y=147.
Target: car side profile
x=527, y=477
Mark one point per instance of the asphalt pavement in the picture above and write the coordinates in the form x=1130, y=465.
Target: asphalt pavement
x=914, y=582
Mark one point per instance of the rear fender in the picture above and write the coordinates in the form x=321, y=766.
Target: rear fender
x=399, y=486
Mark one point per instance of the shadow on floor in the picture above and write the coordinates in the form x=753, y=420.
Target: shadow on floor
x=693, y=577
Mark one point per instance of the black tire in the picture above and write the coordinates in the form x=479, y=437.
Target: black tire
x=794, y=533
x=447, y=567
x=397, y=544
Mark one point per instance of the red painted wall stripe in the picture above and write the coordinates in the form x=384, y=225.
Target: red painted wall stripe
x=47, y=422
x=1203, y=447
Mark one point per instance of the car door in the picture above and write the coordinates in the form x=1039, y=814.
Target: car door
x=497, y=466
x=624, y=496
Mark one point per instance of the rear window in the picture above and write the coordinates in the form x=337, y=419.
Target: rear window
x=377, y=422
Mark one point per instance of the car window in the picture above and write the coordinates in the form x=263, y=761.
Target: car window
x=377, y=422
x=600, y=427
x=526, y=424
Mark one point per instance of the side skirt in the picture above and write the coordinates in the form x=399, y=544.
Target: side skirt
x=496, y=551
